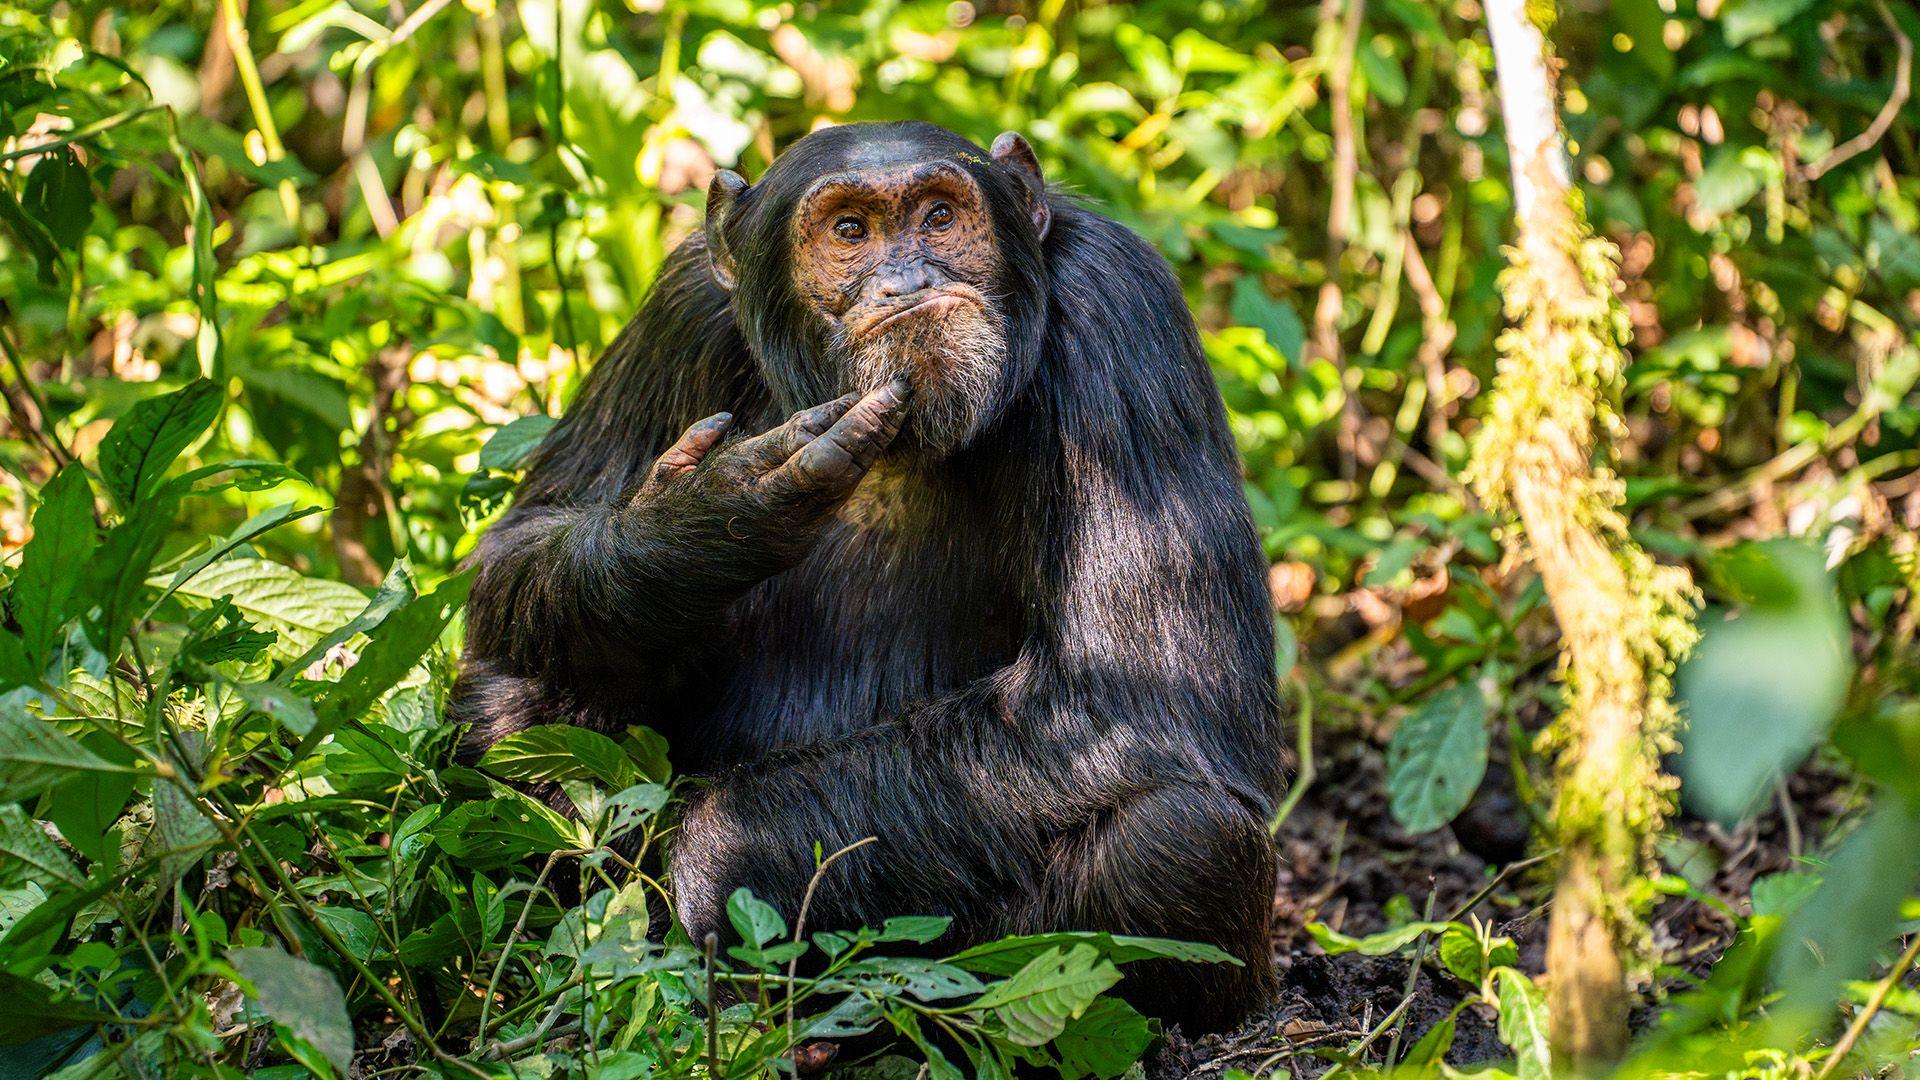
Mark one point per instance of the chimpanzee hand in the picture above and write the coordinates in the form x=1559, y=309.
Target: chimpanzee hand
x=733, y=513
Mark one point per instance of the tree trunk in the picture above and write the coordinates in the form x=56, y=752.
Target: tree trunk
x=1623, y=620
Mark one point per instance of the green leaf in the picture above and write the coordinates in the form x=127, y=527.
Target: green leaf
x=648, y=749
x=1759, y=691
x=301, y=997
x=279, y=704
x=1384, y=943
x=1437, y=758
x=1427, y=1056
x=395, y=592
x=916, y=928
x=33, y=1009
x=627, y=810
x=757, y=921
x=1780, y=895
x=144, y=443
x=27, y=853
x=35, y=755
x=560, y=752
x=275, y=597
x=1523, y=1025
x=1036, y=1002
x=1105, y=1041
x=62, y=547
x=1008, y=955
x=405, y=637
x=1726, y=183
x=59, y=195
x=220, y=634
x=86, y=804
x=1744, y=20
x=506, y=829
x=260, y=523
x=510, y=445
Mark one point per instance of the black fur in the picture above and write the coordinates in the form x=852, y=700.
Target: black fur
x=1042, y=677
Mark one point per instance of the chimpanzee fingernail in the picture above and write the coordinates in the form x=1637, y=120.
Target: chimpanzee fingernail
x=902, y=389
x=720, y=418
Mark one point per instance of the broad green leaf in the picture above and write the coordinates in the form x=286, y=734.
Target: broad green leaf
x=1036, y=1002
x=59, y=195
x=1104, y=1042
x=86, y=804
x=757, y=921
x=181, y=833
x=510, y=445
x=648, y=749
x=1760, y=690
x=27, y=853
x=35, y=755
x=1837, y=934
x=1461, y=953
x=502, y=830
x=302, y=997
x=1726, y=183
x=262, y=522
x=1437, y=758
x=277, y=598
x=1523, y=1024
x=1008, y=955
x=43, y=592
x=560, y=752
x=142, y=445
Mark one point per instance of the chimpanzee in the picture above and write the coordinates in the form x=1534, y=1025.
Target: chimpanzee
x=997, y=602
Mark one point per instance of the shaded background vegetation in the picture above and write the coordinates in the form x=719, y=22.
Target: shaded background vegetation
x=387, y=232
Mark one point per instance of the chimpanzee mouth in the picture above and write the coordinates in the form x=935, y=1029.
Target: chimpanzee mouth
x=926, y=302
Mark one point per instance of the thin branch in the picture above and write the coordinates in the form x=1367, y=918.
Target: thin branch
x=800, y=922
x=1883, y=120
x=1861, y=1019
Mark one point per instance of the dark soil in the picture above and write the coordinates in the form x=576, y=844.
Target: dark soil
x=1346, y=863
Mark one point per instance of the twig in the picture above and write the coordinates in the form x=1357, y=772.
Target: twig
x=506, y=949
x=712, y=946
x=1881, y=990
x=1413, y=981
x=80, y=134
x=1434, y=342
x=1346, y=168
x=32, y=413
x=257, y=102
x=1303, y=742
x=800, y=923
x=1902, y=87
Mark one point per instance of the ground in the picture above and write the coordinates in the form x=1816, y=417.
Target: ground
x=1344, y=860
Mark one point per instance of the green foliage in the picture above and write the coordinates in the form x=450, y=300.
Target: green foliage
x=282, y=315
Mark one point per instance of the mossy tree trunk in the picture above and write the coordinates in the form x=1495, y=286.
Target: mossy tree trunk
x=1622, y=618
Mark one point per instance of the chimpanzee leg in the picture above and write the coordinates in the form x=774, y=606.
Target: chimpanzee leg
x=1182, y=862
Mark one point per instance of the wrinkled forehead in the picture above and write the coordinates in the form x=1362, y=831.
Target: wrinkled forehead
x=878, y=178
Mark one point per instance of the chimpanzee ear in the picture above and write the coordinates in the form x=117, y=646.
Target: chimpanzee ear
x=1012, y=151
x=723, y=197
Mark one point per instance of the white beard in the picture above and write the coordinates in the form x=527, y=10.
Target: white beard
x=954, y=360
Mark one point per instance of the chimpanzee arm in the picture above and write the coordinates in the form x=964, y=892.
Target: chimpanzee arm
x=1142, y=700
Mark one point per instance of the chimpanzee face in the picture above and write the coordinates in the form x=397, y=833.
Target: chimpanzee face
x=869, y=252
x=900, y=265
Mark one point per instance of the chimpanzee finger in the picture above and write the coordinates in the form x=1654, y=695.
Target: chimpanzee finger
x=692, y=446
x=770, y=449
x=839, y=458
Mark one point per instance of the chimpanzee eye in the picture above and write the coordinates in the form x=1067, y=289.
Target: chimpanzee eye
x=940, y=216
x=850, y=228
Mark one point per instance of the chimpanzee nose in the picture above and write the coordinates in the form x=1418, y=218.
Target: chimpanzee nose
x=902, y=279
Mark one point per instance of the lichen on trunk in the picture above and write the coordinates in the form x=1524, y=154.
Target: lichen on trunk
x=1623, y=619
